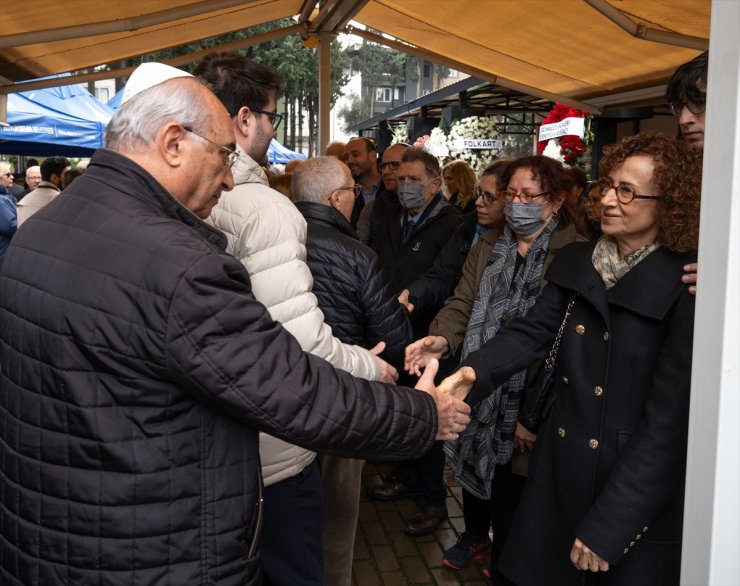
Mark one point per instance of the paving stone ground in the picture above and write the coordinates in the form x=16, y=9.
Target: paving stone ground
x=385, y=556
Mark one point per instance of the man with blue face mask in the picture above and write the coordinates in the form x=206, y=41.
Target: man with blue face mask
x=412, y=232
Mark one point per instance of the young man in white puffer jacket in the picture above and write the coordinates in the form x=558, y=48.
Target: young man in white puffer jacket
x=267, y=234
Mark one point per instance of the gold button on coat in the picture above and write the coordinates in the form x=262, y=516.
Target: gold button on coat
x=561, y=431
x=626, y=550
x=564, y=379
x=593, y=444
x=598, y=391
x=632, y=544
x=580, y=329
x=606, y=336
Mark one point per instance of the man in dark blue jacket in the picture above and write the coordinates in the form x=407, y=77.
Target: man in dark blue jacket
x=412, y=232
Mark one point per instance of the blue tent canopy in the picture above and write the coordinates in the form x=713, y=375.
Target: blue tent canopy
x=64, y=120
x=277, y=153
x=115, y=102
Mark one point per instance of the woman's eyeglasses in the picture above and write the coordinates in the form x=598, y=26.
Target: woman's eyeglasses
x=509, y=196
x=625, y=193
x=488, y=198
x=275, y=118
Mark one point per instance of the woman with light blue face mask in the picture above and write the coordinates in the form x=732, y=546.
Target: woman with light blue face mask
x=490, y=460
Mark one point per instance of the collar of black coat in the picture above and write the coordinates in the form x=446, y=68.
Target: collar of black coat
x=124, y=175
x=318, y=213
x=650, y=289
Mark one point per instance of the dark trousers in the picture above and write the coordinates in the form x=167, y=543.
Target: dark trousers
x=426, y=474
x=292, y=531
x=506, y=490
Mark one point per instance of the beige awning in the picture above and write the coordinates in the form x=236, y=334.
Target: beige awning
x=570, y=49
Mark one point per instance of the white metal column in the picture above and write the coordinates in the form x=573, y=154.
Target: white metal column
x=711, y=535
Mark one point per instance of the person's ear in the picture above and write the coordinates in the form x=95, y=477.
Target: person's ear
x=243, y=120
x=335, y=199
x=557, y=201
x=172, y=144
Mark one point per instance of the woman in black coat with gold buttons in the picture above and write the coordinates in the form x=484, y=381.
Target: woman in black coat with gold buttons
x=603, y=502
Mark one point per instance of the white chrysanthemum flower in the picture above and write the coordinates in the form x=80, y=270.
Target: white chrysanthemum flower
x=554, y=151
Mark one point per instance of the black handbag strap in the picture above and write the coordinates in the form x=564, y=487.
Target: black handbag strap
x=553, y=356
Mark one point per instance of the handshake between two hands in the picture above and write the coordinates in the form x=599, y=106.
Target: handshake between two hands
x=453, y=414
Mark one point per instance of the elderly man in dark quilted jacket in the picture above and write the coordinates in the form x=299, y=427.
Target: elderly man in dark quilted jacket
x=136, y=369
x=355, y=296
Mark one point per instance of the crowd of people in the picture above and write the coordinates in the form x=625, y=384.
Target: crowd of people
x=197, y=354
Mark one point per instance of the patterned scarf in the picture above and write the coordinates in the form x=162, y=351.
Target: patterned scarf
x=607, y=263
x=502, y=295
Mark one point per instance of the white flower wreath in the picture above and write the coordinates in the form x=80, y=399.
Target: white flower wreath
x=474, y=127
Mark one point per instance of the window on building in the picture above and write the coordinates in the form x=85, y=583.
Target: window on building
x=383, y=94
x=102, y=94
x=427, y=70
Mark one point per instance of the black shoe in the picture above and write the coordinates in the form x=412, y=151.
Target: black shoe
x=392, y=491
x=425, y=521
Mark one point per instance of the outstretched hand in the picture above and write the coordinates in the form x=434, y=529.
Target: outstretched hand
x=459, y=383
x=387, y=373
x=419, y=353
x=452, y=413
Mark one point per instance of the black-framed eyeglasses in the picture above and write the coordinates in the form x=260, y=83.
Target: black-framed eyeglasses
x=356, y=189
x=275, y=118
x=625, y=193
x=488, y=198
x=391, y=165
x=509, y=196
x=696, y=108
x=231, y=155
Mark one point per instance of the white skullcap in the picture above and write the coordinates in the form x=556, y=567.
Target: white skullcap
x=148, y=75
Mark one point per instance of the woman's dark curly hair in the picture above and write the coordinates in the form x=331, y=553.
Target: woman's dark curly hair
x=678, y=178
x=553, y=178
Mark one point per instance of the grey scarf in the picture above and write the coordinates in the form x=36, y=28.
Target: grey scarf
x=488, y=439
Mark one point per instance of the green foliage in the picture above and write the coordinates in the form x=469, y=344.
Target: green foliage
x=296, y=64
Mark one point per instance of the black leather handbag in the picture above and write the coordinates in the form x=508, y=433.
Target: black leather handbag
x=540, y=402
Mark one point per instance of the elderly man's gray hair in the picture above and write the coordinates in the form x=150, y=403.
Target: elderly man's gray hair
x=316, y=179
x=138, y=121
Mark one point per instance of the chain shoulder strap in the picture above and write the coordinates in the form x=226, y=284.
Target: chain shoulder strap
x=552, y=357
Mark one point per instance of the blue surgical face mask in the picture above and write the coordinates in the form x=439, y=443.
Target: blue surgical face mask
x=524, y=218
x=411, y=195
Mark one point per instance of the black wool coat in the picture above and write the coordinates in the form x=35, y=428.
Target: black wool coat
x=438, y=283
x=609, y=461
x=137, y=369
x=351, y=287
x=406, y=263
